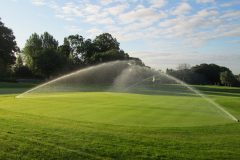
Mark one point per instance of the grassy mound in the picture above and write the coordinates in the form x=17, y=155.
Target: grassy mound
x=102, y=125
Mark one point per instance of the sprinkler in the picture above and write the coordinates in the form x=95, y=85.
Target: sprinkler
x=153, y=79
x=125, y=79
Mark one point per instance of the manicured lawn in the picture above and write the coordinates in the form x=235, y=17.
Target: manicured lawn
x=105, y=125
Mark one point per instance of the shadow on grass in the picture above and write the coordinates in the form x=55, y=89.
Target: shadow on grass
x=167, y=90
x=220, y=94
x=218, y=89
x=14, y=87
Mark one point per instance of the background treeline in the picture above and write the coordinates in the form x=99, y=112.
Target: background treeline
x=42, y=58
x=210, y=74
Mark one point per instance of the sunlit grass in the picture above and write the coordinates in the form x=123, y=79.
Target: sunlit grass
x=98, y=125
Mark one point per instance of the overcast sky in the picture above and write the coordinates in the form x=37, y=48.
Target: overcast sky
x=163, y=33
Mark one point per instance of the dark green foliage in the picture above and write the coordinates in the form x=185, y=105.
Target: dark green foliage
x=227, y=78
x=49, y=62
x=210, y=71
x=188, y=76
x=65, y=49
x=237, y=78
x=75, y=43
x=105, y=42
x=45, y=58
x=8, y=47
x=205, y=74
x=42, y=56
x=109, y=55
x=102, y=49
x=23, y=72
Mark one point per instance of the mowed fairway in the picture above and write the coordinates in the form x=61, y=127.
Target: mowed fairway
x=105, y=125
x=120, y=109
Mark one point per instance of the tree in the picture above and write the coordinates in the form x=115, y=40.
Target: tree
x=183, y=66
x=19, y=61
x=48, y=41
x=238, y=77
x=88, y=51
x=20, y=70
x=109, y=55
x=31, y=51
x=49, y=62
x=184, y=71
x=210, y=71
x=42, y=55
x=105, y=42
x=102, y=49
x=8, y=48
x=45, y=58
x=227, y=78
x=106, y=48
x=75, y=43
x=65, y=49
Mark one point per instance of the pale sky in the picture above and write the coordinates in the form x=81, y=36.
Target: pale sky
x=163, y=33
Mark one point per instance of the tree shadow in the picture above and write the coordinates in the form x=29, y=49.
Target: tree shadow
x=218, y=89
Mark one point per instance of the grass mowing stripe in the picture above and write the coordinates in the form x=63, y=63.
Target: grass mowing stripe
x=32, y=140
x=32, y=128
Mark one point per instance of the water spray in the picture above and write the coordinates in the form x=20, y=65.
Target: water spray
x=153, y=79
x=129, y=73
x=63, y=77
x=206, y=98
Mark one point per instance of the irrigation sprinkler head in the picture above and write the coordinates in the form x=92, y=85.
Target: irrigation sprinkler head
x=153, y=79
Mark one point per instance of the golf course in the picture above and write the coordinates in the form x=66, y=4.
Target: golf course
x=116, y=125
x=120, y=80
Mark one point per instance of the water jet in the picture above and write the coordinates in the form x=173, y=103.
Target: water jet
x=122, y=76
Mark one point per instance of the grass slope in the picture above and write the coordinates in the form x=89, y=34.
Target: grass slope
x=106, y=126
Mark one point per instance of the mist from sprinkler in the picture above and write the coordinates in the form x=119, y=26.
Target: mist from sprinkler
x=117, y=76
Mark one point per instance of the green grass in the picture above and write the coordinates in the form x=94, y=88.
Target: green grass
x=103, y=125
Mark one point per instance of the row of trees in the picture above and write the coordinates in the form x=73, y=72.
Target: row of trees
x=43, y=57
x=205, y=74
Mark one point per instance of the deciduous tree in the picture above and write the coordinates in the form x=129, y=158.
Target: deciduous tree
x=8, y=48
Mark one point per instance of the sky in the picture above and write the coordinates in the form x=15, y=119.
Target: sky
x=163, y=33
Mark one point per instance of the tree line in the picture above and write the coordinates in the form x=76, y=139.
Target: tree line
x=42, y=57
x=210, y=74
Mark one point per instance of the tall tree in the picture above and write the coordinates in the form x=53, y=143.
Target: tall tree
x=107, y=49
x=227, y=78
x=105, y=42
x=41, y=54
x=31, y=51
x=76, y=43
x=8, y=48
x=48, y=41
x=210, y=71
